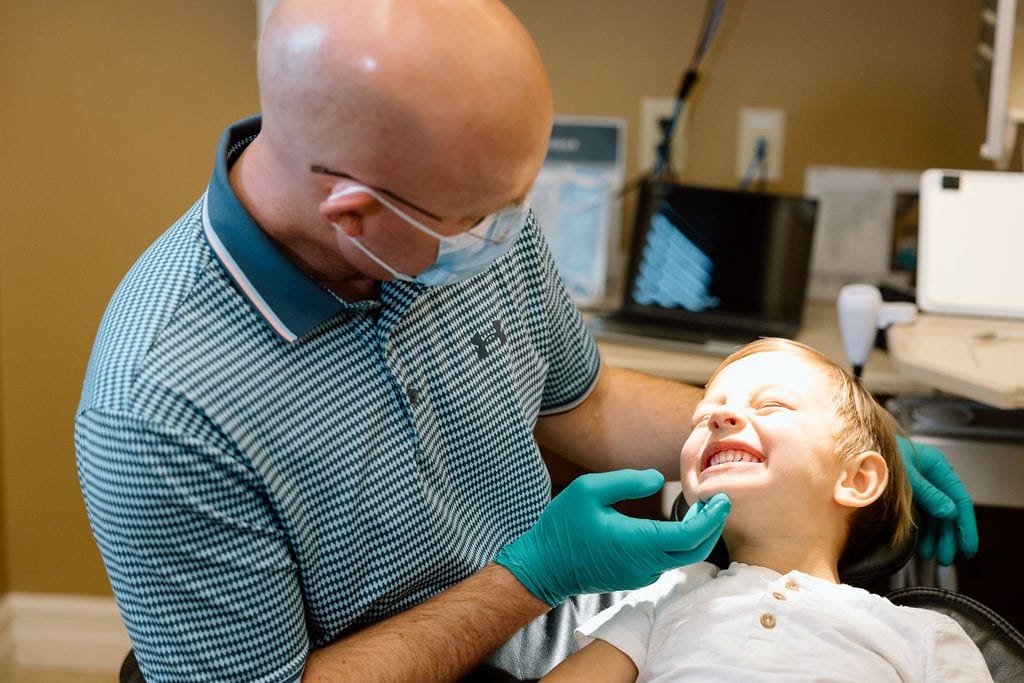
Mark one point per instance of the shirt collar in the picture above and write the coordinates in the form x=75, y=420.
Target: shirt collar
x=289, y=300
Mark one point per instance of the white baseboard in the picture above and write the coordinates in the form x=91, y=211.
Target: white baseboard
x=6, y=638
x=45, y=631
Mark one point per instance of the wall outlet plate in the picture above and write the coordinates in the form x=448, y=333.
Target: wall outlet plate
x=766, y=124
x=652, y=111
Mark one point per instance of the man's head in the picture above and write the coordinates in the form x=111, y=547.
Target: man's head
x=444, y=104
x=800, y=447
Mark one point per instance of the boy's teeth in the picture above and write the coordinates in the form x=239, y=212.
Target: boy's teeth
x=732, y=456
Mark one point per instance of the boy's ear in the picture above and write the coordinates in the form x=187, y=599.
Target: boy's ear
x=862, y=479
x=347, y=210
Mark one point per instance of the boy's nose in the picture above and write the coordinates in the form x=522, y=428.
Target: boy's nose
x=725, y=418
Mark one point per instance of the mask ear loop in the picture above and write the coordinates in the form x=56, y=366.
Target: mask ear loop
x=362, y=247
x=373, y=257
x=391, y=206
x=519, y=210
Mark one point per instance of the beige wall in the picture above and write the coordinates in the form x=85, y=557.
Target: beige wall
x=867, y=83
x=3, y=506
x=110, y=111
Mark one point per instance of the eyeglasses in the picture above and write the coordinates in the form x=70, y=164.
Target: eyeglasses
x=497, y=227
x=323, y=170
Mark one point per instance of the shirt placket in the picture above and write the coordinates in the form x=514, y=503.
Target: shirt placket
x=771, y=615
x=407, y=358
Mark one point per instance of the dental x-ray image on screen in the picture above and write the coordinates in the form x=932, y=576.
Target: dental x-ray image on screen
x=674, y=271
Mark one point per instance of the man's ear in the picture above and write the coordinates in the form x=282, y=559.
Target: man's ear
x=862, y=479
x=346, y=211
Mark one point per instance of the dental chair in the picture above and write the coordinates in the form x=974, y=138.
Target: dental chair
x=1000, y=643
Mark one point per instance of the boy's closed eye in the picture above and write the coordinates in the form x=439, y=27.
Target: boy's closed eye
x=773, y=404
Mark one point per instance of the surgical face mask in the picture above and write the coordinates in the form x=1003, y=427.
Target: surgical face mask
x=459, y=257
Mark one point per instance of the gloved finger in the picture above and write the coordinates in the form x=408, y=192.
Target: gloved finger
x=936, y=469
x=698, y=507
x=945, y=547
x=927, y=538
x=964, y=530
x=931, y=500
x=967, y=528
x=608, y=488
x=700, y=524
x=698, y=554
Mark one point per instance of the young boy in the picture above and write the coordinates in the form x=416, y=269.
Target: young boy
x=810, y=463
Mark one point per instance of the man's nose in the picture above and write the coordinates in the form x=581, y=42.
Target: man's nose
x=725, y=418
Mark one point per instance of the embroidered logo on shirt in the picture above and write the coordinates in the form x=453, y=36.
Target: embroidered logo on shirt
x=487, y=337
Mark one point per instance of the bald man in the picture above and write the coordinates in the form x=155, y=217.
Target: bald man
x=308, y=437
x=311, y=417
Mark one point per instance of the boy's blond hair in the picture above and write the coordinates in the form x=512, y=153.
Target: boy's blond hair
x=861, y=425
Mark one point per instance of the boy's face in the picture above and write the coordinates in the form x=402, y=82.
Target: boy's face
x=763, y=435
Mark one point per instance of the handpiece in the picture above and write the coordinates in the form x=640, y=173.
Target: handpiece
x=861, y=314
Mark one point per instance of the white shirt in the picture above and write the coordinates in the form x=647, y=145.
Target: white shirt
x=750, y=623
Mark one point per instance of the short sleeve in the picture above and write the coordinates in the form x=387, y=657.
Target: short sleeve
x=627, y=626
x=954, y=656
x=573, y=358
x=630, y=624
x=204, y=580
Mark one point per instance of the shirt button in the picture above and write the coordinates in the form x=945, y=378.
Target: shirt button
x=414, y=395
x=792, y=585
x=768, y=620
x=778, y=596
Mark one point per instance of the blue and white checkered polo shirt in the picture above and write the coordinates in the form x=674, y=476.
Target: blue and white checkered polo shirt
x=265, y=465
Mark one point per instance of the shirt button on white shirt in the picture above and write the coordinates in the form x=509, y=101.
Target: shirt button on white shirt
x=768, y=620
x=778, y=596
x=792, y=585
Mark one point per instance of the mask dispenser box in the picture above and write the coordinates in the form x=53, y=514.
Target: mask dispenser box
x=576, y=198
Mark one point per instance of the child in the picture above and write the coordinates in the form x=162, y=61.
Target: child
x=810, y=463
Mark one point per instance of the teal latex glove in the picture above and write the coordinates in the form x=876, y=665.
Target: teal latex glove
x=581, y=544
x=949, y=522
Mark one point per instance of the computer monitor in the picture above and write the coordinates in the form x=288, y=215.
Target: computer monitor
x=728, y=262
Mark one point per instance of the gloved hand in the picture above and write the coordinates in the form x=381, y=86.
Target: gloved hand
x=938, y=492
x=581, y=544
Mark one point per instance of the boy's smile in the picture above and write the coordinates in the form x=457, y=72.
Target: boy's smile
x=726, y=454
